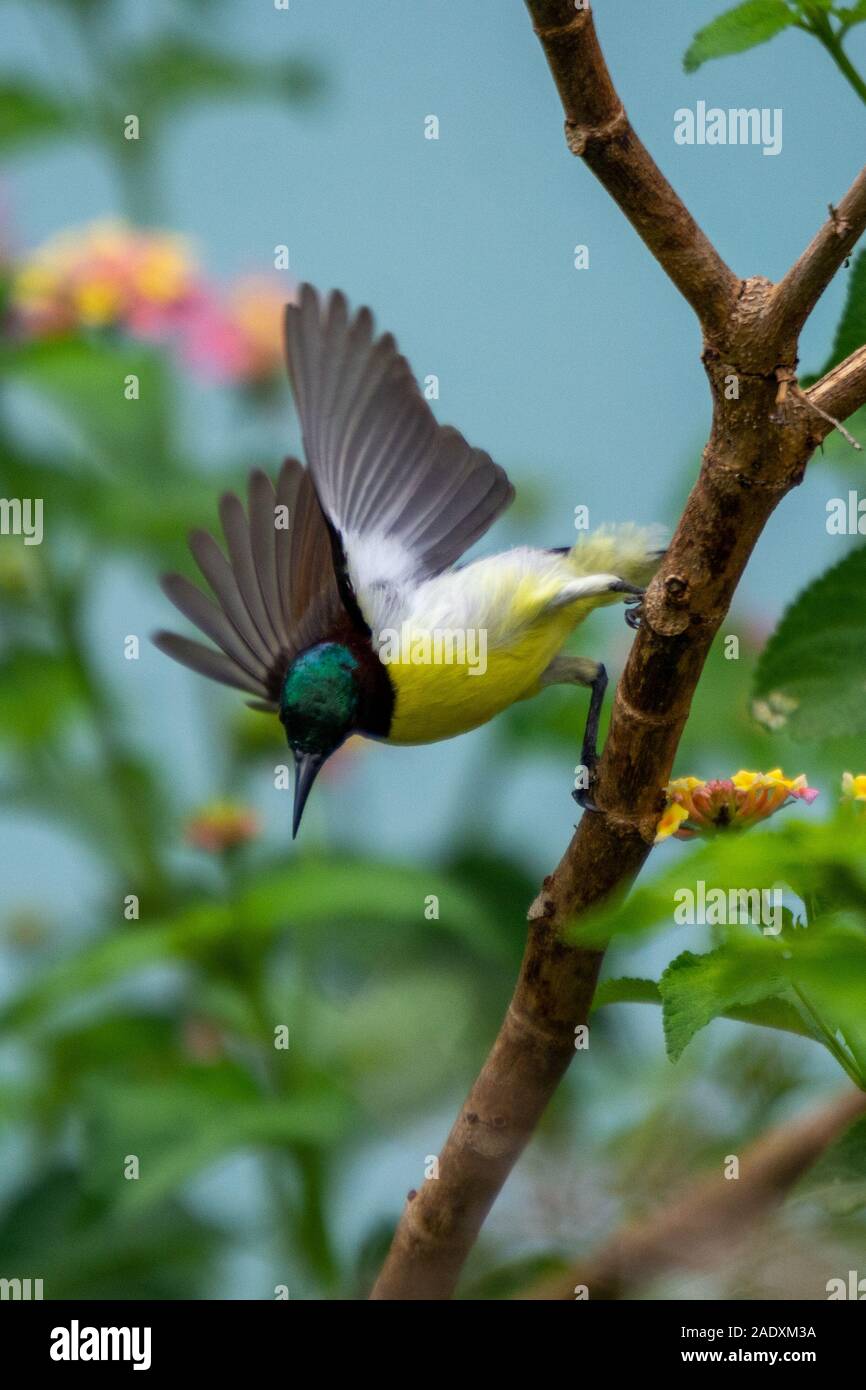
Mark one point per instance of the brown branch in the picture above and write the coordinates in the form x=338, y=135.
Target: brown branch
x=798, y=292
x=842, y=391
x=713, y=1213
x=598, y=129
x=757, y=451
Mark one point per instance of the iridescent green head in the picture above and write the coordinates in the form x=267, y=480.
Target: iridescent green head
x=319, y=706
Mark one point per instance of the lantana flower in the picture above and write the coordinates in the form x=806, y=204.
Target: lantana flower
x=110, y=276
x=854, y=787
x=106, y=275
x=222, y=826
x=703, y=808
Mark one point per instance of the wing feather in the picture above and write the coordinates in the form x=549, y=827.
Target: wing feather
x=274, y=595
x=381, y=464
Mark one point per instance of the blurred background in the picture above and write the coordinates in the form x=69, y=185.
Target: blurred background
x=157, y=922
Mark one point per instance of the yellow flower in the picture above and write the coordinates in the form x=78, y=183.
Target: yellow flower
x=854, y=788
x=672, y=818
x=695, y=807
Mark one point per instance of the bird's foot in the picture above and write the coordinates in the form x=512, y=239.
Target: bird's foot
x=634, y=611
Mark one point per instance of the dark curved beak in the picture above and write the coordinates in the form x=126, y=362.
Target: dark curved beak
x=306, y=768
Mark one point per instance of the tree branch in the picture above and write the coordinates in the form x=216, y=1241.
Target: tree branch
x=798, y=292
x=711, y=1214
x=757, y=451
x=841, y=391
x=598, y=129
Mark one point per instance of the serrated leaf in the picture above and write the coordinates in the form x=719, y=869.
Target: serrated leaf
x=736, y=30
x=626, y=990
x=812, y=673
x=696, y=989
x=765, y=1013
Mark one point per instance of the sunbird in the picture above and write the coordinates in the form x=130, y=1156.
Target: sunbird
x=341, y=606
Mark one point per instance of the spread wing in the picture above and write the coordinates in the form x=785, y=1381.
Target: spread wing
x=274, y=594
x=405, y=495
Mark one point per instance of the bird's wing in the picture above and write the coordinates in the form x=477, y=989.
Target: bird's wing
x=276, y=593
x=405, y=495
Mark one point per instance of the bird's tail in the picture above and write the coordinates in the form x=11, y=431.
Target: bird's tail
x=630, y=551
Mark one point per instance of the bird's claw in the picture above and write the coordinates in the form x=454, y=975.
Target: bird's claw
x=634, y=611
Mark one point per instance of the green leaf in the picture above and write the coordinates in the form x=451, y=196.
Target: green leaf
x=626, y=990
x=84, y=378
x=177, y=1126
x=765, y=1013
x=39, y=692
x=811, y=677
x=736, y=30
x=696, y=989
x=30, y=114
x=851, y=14
x=173, y=72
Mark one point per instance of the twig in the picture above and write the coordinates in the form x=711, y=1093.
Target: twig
x=798, y=292
x=841, y=391
x=711, y=1214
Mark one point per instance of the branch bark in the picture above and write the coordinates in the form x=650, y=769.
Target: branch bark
x=798, y=292
x=841, y=391
x=710, y=1215
x=760, y=442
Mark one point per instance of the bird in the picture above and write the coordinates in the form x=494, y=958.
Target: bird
x=340, y=605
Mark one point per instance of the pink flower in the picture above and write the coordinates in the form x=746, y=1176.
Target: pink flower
x=703, y=808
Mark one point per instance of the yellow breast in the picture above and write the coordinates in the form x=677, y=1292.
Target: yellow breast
x=436, y=699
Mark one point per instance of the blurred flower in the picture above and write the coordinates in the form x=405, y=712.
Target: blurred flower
x=202, y=1039
x=256, y=307
x=26, y=929
x=221, y=826
x=853, y=788
x=703, y=808
x=105, y=275
x=109, y=275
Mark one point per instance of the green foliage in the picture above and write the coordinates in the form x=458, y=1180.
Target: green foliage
x=812, y=674
x=697, y=989
x=29, y=114
x=743, y=27
x=762, y=1012
x=176, y=71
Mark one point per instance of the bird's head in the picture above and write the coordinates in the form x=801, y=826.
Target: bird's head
x=319, y=706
